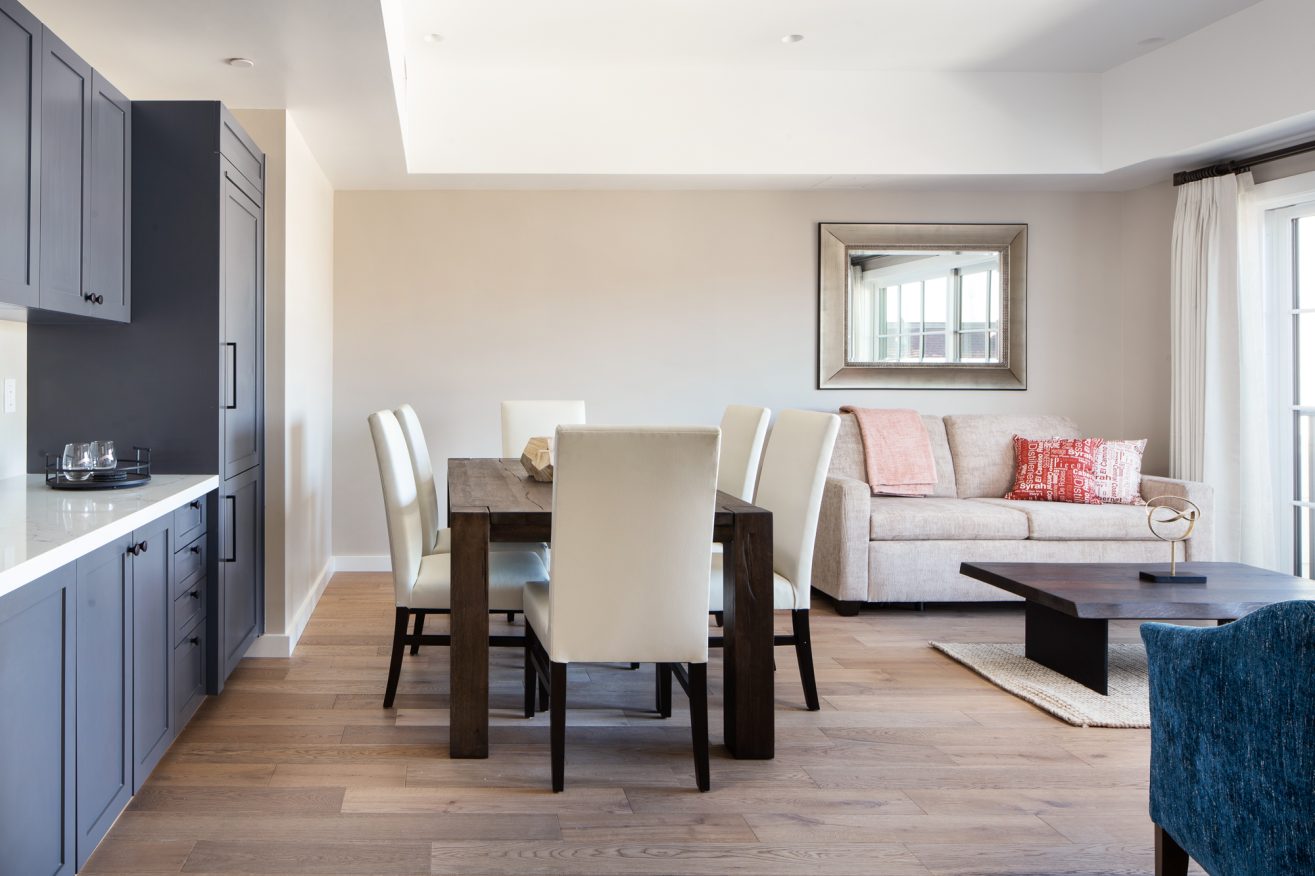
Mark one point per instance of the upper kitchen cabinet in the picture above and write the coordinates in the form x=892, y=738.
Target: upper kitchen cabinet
x=86, y=128
x=20, y=154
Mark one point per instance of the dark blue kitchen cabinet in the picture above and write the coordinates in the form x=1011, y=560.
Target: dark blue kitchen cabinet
x=65, y=132
x=20, y=154
x=104, y=691
x=36, y=725
x=242, y=244
x=237, y=601
x=107, y=257
x=152, y=565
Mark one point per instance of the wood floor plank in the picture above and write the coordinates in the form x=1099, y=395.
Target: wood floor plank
x=121, y=854
x=336, y=858
x=662, y=828
x=337, y=827
x=488, y=801
x=178, y=798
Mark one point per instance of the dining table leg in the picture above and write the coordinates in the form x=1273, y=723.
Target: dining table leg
x=749, y=698
x=469, y=692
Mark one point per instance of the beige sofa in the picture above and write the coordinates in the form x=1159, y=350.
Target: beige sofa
x=908, y=550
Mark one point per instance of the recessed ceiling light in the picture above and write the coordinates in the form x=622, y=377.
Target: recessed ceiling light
x=433, y=38
x=792, y=38
x=242, y=63
x=1150, y=41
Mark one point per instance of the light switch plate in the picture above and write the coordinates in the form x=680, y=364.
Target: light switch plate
x=11, y=395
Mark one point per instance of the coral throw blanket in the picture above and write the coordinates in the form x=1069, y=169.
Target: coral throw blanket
x=897, y=450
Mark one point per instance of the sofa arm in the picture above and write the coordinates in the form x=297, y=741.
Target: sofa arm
x=840, y=554
x=1201, y=546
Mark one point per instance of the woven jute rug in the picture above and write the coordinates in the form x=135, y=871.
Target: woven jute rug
x=1127, y=705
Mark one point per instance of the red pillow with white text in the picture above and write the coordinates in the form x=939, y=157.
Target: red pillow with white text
x=1118, y=472
x=1056, y=470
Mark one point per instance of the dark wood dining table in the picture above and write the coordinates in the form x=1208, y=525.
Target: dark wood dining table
x=494, y=500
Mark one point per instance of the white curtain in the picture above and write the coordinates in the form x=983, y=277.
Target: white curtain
x=1223, y=400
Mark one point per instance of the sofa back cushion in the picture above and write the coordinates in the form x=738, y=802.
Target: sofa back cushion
x=847, y=460
x=982, y=448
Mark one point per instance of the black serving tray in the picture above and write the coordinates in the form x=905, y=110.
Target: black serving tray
x=127, y=473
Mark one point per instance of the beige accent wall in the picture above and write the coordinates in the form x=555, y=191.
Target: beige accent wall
x=665, y=306
x=13, y=427
x=298, y=378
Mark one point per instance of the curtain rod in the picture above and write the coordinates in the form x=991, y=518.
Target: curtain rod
x=1241, y=165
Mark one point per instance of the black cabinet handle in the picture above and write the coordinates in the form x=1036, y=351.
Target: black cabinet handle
x=232, y=529
x=195, y=503
x=92, y=298
x=232, y=375
x=143, y=546
x=196, y=594
x=195, y=640
x=138, y=548
x=132, y=550
x=196, y=549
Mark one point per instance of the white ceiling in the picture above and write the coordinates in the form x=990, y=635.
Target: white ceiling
x=674, y=93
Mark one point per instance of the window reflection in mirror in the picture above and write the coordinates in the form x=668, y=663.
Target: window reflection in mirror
x=924, y=306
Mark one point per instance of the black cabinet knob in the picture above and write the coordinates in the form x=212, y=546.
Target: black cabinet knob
x=142, y=547
x=194, y=640
x=196, y=594
x=196, y=549
x=93, y=298
x=195, y=503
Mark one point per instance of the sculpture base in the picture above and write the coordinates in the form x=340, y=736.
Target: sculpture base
x=1162, y=576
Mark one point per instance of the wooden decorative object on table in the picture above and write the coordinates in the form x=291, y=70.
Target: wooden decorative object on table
x=537, y=459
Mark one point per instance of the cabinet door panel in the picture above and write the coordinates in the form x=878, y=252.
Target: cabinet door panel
x=36, y=726
x=243, y=235
x=106, y=258
x=65, y=106
x=241, y=562
x=104, y=709
x=189, y=675
x=152, y=646
x=20, y=153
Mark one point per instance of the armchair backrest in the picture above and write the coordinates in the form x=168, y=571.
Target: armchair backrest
x=632, y=520
x=1233, y=740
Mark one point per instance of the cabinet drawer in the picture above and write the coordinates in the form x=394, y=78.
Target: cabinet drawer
x=189, y=563
x=188, y=609
x=189, y=521
x=189, y=675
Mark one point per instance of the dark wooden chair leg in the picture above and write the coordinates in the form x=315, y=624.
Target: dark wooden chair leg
x=664, y=690
x=511, y=617
x=395, y=666
x=847, y=608
x=698, y=721
x=719, y=618
x=1170, y=859
x=531, y=676
x=634, y=665
x=420, y=628
x=557, y=722
x=803, y=650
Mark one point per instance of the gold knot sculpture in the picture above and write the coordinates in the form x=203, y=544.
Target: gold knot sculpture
x=1188, y=513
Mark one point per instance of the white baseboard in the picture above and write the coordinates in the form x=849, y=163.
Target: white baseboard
x=283, y=644
x=363, y=563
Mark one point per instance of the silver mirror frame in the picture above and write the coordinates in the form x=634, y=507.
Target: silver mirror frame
x=836, y=240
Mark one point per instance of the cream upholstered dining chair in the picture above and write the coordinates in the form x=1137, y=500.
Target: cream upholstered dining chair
x=427, y=492
x=632, y=518
x=743, y=430
x=523, y=420
x=790, y=486
x=422, y=583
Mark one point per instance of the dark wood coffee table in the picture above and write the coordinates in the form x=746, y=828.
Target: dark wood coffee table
x=1070, y=605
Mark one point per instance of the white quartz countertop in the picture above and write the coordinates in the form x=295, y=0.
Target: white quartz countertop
x=42, y=529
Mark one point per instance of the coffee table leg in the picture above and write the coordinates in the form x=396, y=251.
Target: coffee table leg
x=469, y=703
x=1072, y=646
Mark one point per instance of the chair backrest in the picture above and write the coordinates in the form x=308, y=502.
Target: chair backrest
x=423, y=469
x=743, y=430
x=632, y=519
x=405, y=543
x=523, y=420
x=793, y=476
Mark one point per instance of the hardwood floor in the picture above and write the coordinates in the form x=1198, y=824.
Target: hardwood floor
x=914, y=766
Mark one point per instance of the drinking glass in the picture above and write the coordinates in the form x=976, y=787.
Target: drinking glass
x=78, y=461
x=103, y=453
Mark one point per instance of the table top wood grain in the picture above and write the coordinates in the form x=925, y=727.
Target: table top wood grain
x=1113, y=590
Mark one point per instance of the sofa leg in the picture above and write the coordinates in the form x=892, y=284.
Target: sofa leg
x=847, y=607
x=1170, y=859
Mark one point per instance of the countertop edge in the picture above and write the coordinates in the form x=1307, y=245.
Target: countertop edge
x=30, y=570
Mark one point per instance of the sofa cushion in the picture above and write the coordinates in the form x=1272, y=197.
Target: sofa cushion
x=1058, y=521
x=847, y=458
x=896, y=518
x=982, y=448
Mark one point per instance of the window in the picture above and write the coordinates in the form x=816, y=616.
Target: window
x=923, y=307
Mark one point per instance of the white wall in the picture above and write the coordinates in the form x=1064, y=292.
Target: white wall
x=665, y=306
x=298, y=378
x=13, y=427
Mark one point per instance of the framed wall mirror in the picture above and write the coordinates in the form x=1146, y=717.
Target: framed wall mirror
x=922, y=306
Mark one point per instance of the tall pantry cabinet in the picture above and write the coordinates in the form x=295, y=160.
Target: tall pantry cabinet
x=186, y=376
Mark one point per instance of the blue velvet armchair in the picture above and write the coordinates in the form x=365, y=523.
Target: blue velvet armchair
x=1233, y=744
